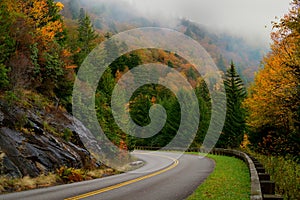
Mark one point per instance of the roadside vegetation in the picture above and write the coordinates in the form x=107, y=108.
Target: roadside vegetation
x=285, y=172
x=41, y=52
x=62, y=175
x=229, y=180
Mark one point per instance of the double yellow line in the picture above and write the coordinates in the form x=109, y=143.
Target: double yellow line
x=127, y=182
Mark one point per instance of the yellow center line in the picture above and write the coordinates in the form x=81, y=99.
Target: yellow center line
x=127, y=182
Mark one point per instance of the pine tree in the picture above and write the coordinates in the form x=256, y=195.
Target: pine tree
x=86, y=37
x=234, y=126
x=6, y=43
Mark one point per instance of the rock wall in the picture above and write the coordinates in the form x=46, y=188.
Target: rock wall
x=31, y=141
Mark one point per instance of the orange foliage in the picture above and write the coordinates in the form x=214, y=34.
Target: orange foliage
x=273, y=97
x=36, y=14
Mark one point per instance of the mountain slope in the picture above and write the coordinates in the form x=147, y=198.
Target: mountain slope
x=116, y=16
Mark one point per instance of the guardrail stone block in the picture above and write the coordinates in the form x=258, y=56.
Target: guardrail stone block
x=272, y=197
x=260, y=170
x=264, y=176
x=267, y=187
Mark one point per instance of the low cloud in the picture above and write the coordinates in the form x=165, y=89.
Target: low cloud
x=248, y=19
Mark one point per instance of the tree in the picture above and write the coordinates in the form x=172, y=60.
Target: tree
x=33, y=53
x=6, y=43
x=234, y=127
x=86, y=37
x=274, y=100
x=204, y=102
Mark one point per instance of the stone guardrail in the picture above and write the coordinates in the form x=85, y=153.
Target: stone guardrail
x=256, y=193
x=261, y=186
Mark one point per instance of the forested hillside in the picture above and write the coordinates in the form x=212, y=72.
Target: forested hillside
x=113, y=17
x=43, y=43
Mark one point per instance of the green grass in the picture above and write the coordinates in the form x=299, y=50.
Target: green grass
x=229, y=180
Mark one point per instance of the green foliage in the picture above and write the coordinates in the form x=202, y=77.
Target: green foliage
x=48, y=128
x=139, y=111
x=64, y=91
x=51, y=73
x=234, y=127
x=170, y=64
x=205, y=113
x=191, y=74
x=67, y=134
x=229, y=180
x=10, y=97
x=124, y=61
x=32, y=37
x=53, y=66
x=6, y=45
x=285, y=172
x=6, y=41
x=104, y=111
x=86, y=37
x=34, y=58
x=4, y=80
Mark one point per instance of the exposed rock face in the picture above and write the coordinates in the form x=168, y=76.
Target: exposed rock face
x=29, y=145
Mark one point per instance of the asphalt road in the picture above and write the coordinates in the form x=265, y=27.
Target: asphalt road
x=165, y=176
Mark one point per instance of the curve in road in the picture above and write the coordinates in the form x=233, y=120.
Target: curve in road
x=164, y=176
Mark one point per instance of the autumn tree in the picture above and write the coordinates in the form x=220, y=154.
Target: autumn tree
x=234, y=127
x=274, y=100
x=39, y=58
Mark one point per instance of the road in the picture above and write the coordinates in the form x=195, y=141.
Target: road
x=164, y=176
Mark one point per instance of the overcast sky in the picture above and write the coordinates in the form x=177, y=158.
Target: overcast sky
x=248, y=18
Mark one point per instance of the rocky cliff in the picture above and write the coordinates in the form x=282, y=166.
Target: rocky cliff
x=35, y=141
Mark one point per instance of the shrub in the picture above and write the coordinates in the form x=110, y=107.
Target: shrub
x=70, y=175
x=67, y=134
x=4, y=81
x=10, y=97
x=285, y=172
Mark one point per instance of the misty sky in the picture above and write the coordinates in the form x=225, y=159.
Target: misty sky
x=248, y=18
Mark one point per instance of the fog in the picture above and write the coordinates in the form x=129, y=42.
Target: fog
x=248, y=19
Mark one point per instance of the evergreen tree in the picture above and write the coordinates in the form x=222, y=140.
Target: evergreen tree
x=86, y=37
x=234, y=126
x=204, y=102
x=6, y=44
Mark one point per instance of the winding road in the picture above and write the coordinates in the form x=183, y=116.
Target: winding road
x=165, y=176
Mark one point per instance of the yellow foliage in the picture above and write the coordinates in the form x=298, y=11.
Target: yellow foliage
x=60, y=6
x=36, y=14
x=273, y=96
x=245, y=141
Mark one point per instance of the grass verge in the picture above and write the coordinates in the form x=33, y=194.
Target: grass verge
x=229, y=180
x=62, y=176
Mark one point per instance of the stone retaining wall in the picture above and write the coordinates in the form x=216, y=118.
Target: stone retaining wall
x=256, y=193
x=262, y=188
